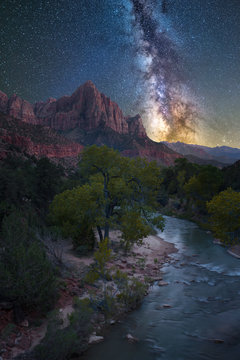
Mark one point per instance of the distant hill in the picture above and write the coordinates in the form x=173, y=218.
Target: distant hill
x=220, y=154
x=202, y=161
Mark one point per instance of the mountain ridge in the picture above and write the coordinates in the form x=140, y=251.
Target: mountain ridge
x=89, y=117
x=222, y=154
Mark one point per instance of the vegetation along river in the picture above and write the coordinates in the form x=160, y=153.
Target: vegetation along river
x=204, y=294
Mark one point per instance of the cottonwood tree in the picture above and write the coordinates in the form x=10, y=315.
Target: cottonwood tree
x=203, y=186
x=119, y=193
x=224, y=210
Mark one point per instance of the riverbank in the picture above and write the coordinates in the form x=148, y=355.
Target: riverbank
x=141, y=263
x=202, y=222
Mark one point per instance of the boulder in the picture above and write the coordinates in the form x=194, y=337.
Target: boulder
x=95, y=339
x=131, y=339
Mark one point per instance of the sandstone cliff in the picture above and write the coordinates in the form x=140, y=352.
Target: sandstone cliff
x=86, y=117
x=86, y=109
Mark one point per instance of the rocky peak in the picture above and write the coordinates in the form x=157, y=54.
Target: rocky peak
x=94, y=109
x=21, y=109
x=86, y=109
x=135, y=126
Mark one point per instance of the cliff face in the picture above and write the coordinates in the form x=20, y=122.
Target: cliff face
x=86, y=117
x=152, y=151
x=86, y=109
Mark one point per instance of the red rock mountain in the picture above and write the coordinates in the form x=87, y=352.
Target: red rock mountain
x=89, y=117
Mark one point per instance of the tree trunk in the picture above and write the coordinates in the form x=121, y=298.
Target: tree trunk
x=106, y=231
x=100, y=233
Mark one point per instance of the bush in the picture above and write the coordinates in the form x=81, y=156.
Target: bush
x=61, y=344
x=131, y=291
x=224, y=210
x=26, y=275
x=84, y=238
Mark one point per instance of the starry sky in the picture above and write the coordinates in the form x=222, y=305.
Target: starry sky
x=176, y=62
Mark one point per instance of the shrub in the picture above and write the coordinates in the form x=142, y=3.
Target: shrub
x=61, y=344
x=84, y=238
x=131, y=291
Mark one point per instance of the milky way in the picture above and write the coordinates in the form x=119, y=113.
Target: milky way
x=158, y=59
x=170, y=112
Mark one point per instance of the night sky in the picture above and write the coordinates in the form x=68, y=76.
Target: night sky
x=177, y=62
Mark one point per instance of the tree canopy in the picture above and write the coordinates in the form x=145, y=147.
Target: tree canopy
x=118, y=193
x=204, y=185
x=224, y=209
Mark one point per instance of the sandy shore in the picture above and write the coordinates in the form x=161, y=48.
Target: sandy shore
x=144, y=260
x=234, y=251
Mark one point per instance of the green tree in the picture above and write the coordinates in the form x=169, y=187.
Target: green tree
x=65, y=343
x=231, y=176
x=203, y=186
x=48, y=179
x=116, y=189
x=76, y=213
x=175, y=177
x=26, y=275
x=224, y=210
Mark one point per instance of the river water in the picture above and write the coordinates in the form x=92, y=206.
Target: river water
x=204, y=294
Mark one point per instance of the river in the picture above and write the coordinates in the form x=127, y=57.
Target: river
x=204, y=295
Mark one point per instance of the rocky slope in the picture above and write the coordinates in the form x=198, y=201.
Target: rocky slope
x=86, y=117
x=18, y=136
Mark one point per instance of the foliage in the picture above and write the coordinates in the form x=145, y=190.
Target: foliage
x=28, y=184
x=99, y=271
x=231, y=175
x=26, y=275
x=131, y=291
x=224, y=210
x=202, y=187
x=174, y=177
x=118, y=193
x=48, y=182
x=73, y=211
x=61, y=344
x=101, y=256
